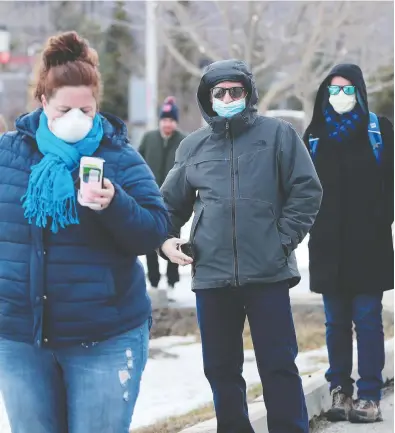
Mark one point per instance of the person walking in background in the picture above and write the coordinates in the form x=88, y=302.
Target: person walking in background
x=3, y=125
x=158, y=148
x=255, y=193
x=351, y=250
x=74, y=310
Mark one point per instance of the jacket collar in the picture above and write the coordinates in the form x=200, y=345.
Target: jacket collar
x=237, y=124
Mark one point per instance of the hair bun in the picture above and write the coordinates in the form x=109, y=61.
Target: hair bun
x=68, y=47
x=170, y=100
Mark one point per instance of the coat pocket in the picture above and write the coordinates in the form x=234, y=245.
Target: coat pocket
x=195, y=223
x=194, y=227
x=285, y=240
x=259, y=246
x=257, y=173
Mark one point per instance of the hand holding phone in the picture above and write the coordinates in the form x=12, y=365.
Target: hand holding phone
x=188, y=250
x=171, y=248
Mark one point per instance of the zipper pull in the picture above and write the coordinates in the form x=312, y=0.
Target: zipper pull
x=227, y=129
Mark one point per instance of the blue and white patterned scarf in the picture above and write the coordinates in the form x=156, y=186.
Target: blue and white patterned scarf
x=341, y=127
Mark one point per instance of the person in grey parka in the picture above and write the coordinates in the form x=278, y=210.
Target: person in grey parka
x=255, y=194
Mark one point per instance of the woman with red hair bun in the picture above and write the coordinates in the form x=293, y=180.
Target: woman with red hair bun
x=74, y=310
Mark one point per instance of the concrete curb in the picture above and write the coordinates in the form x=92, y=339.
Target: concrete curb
x=316, y=391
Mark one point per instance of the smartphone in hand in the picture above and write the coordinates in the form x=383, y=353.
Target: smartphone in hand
x=188, y=250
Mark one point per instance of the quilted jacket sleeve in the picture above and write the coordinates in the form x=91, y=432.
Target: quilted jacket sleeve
x=137, y=216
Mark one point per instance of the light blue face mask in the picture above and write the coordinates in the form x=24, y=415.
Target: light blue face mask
x=229, y=110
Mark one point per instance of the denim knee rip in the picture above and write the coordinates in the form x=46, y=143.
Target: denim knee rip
x=124, y=375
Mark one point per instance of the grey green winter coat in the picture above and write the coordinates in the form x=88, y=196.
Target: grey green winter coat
x=252, y=185
x=159, y=153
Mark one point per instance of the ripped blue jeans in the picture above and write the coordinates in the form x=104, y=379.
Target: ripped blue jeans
x=75, y=389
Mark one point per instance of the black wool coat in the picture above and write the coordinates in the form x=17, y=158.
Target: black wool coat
x=351, y=249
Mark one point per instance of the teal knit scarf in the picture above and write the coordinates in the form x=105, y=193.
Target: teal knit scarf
x=51, y=193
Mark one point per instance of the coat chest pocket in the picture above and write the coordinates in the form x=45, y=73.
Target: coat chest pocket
x=257, y=174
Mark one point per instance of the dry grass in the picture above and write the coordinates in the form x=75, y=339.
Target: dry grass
x=309, y=324
x=176, y=424
x=310, y=327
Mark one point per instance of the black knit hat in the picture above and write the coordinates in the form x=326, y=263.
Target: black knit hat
x=169, y=109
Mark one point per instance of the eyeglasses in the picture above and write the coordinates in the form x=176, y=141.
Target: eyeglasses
x=335, y=90
x=234, y=92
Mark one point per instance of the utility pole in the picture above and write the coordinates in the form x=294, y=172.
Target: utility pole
x=151, y=64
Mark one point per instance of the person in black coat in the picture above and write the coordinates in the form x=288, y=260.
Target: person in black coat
x=351, y=249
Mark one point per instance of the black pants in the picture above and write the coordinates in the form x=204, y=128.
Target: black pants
x=221, y=315
x=154, y=274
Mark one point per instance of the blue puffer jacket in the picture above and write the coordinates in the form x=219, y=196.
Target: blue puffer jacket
x=85, y=283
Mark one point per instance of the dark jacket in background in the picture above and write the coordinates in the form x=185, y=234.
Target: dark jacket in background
x=350, y=245
x=159, y=153
x=257, y=191
x=85, y=283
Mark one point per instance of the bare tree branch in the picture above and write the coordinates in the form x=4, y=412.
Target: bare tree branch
x=183, y=17
x=380, y=87
x=222, y=8
x=306, y=60
x=290, y=46
x=252, y=20
x=178, y=57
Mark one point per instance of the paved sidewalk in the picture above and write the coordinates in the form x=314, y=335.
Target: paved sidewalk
x=387, y=426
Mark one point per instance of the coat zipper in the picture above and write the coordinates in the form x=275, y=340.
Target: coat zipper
x=228, y=135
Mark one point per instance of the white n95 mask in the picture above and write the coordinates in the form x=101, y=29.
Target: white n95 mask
x=343, y=103
x=73, y=126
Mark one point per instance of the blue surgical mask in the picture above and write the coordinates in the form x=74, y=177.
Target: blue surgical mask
x=229, y=110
